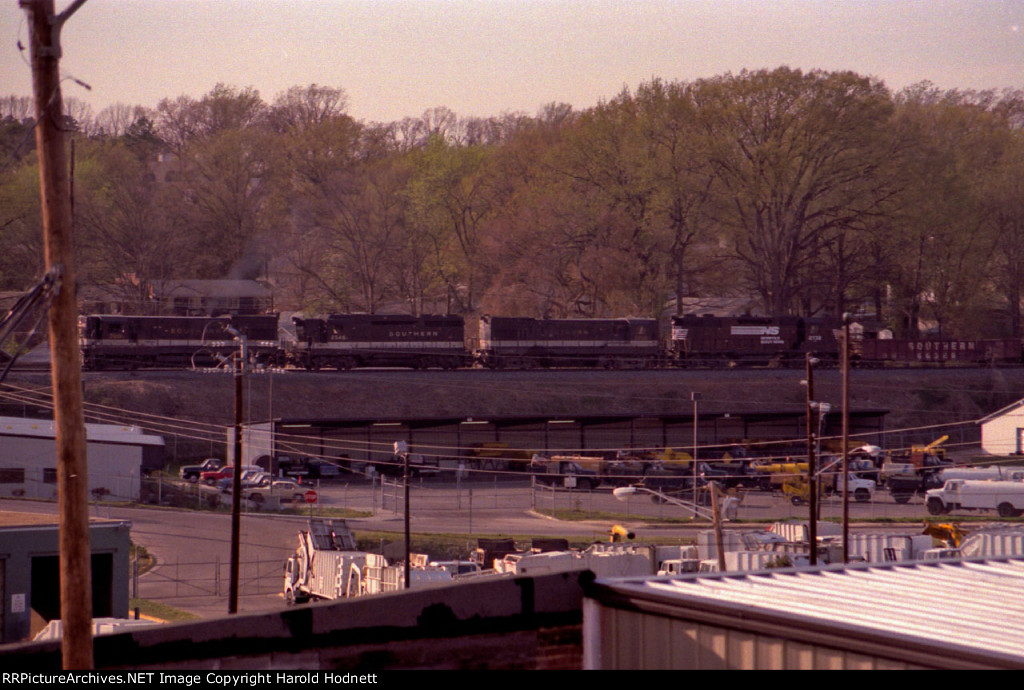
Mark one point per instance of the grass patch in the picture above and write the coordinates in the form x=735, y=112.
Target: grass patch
x=328, y=512
x=585, y=515
x=154, y=609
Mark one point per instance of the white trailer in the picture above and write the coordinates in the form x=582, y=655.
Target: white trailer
x=1005, y=497
x=326, y=563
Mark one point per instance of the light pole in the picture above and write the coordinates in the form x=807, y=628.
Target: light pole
x=812, y=495
x=623, y=493
x=822, y=408
x=695, y=397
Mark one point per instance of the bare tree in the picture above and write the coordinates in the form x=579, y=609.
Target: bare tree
x=797, y=158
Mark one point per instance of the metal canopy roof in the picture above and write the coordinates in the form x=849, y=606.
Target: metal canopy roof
x=98, y=433
x=973, y=607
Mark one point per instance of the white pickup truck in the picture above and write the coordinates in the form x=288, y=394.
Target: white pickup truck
x=1005, y=497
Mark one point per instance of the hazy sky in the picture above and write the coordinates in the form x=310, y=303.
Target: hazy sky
x=397, y=58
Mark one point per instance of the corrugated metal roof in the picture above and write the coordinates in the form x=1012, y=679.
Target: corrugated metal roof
x=973, y=604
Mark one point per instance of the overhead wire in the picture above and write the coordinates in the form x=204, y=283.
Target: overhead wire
x=204, y=430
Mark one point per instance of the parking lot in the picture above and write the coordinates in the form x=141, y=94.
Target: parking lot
x=461, y=504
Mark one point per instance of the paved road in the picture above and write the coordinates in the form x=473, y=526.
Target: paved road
x=192, y=548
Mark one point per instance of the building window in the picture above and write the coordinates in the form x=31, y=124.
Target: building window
x=12, y=475
x=49, y=475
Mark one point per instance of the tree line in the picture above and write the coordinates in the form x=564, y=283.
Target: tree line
x=808, y=192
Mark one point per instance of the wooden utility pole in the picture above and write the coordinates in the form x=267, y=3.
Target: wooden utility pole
x=66, y=372
x=812, y=479
x=236, y=480
x=236, y=496
x=845, y=363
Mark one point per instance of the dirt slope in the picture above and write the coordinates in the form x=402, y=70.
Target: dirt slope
x=913, y=397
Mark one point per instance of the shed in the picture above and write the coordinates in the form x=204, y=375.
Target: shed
x=1002, y=432
x=117, y=456
x=894, y=616
x=29, y=573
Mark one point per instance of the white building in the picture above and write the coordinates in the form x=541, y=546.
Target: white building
x=116, y=456
x=1002, y=432
x=915, y=615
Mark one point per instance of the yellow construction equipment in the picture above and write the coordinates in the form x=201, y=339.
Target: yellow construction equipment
x=619, y=533
x=949, y=533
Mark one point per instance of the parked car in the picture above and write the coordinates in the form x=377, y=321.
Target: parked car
x=250, y=478
x=286, y=489
x=214, y=476
x=293, y=468
x=322, y=469
x=191, y=473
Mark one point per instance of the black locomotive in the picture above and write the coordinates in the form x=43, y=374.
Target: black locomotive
x=524, y=343
x=708, y=341
x=348, y=341
x=130, y=342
